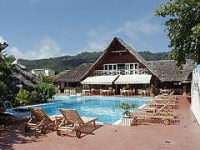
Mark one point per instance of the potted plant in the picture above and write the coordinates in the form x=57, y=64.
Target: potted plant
x=127, y=119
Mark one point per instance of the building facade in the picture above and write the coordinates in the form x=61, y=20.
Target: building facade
x=121, y=67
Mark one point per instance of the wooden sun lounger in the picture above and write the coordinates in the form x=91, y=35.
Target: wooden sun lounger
x=161, y=98
x=74, y=122
x=170, y=105
x=40, y=121
x=158, y=118
x=161, y=115
x=159, y=101
x=165, y=98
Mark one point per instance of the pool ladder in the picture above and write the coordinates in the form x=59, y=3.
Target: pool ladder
x=6, y=104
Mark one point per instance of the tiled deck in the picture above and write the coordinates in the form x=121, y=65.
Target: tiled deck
x=182, y=136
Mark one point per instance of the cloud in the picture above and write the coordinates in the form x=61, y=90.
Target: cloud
x=135, y=29
x=98, y=39
x=15, y=51
x=2, y=39
x=95, y=45
x=94, y=33
x=46, y=48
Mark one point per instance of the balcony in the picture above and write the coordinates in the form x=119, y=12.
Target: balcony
x=119, y=72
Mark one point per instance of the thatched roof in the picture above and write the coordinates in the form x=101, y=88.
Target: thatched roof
x=26, y=77
x=74, y=75
x=167, y=70
x=21, y=76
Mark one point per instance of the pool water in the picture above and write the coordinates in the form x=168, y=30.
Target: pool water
x=104, y=108
x=18, y=113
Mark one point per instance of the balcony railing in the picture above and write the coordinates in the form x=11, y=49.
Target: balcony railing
x=119, y=72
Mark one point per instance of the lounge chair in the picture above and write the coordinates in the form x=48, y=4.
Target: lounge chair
x=74, y=122
x=171, y=102
x=170, y=99
x=40, y=121
x=161, y=115
x=170, y=95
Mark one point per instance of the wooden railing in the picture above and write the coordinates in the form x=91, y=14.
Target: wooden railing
x=120, y=72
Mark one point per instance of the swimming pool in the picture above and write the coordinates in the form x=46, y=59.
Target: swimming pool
x=105, y=108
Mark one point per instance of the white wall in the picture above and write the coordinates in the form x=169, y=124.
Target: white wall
x=49, y=72
x=195, y=93
x=46, y=72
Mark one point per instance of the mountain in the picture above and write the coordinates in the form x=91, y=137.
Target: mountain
x=68, y=62
x=148, y=56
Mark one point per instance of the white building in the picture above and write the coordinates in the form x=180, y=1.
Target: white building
x=46, y=72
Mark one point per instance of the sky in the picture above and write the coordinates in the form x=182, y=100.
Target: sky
x=38, y=29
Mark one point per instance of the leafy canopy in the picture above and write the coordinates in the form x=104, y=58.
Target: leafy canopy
x=127, y=108
x=183, y=26
x=42, y=94
x=45, y=91
x=5, y=68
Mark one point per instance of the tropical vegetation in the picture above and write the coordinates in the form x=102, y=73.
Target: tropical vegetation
x=183, y=26
x=5, y=68
x=43, y=93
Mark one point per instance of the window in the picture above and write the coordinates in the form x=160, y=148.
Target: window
x=114, y=67
x=110, y=67
x=136, y=66
x=105, y=67
x=120, y=66
x=131, y=66
x=127, y=66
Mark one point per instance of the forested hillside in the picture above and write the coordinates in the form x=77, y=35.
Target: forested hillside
x=67, y=62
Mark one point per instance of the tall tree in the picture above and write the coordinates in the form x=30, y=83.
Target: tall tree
x=183, y=26
x=5, y=67
x=5, y=61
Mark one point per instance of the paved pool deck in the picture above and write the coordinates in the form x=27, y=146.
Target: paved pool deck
x=180, y=136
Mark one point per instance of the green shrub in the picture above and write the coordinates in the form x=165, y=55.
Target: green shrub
x=127, y=108
x=23, y=98
x=45, y=92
